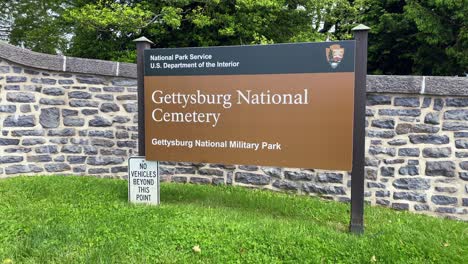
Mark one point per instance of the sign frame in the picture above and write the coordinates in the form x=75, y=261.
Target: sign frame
x=360, y=32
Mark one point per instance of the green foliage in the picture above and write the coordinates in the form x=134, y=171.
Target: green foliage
x=88, y=220
x=443, y=33
x=427, y=37
x=37, y=24
x=416, y=37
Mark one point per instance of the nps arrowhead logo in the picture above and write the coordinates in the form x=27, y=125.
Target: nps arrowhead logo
x=334, y=55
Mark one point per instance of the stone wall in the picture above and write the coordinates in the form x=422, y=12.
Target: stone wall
x=74, y=116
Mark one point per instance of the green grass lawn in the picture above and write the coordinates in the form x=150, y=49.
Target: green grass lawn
x=88, y=220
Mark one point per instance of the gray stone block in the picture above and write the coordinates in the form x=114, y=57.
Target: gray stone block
x=408, y=152
x=397, y=142
x=114, y=89
x=459, y=114
x=377, y=99
x=69, y=112
x=7, y=108
x=47, y=101
x=437, y=152
x=109, y=107
x=432, y=118
x=446, y=189
x=454, y=126
x=39, y=158
x=25, y=108
x=131, y=107
x=210, y=172
x=100, y=142
x=88, y=112
x=16, y=79
x=184, y=170
x=298, y=175
x=127, y=97
x=106, y=97
x=407, y=101
x=286, y=185
x=66, y=132
x=378, y=185
x=457, y=102
x=73, y=122
x=71, y=149
x=98, y=170
x=24, y=168
x=251, y=178
x=79, y=95
x=421, y=207
x=29, y=132
x=83, y=103
x=20, y=97
x=440, y=168
x=10, y=159
x=318, y=189
x=394, y=84
x=54, y=91
x=91, y=80
x=97, y=161
x=272, y=171
x=443, y=200
x=410, y=196
x=50, y=149
x=19, y=121
x=101, y=133
x=127, y=144
x=380, y=133
x=384, y=123
x=199, y=180
x=464, y=165
x=412, y=183
x=98, y=121
x=33, y=141
x=387, y=171
x=400, y=112
x=377, y=150
x=441, y=85
x=124, y=82
x=408, y=170
x=179, y=179
x=400, y=206
x=329, y=177
x=50, y=117
x=461, y=143
x=429, y=139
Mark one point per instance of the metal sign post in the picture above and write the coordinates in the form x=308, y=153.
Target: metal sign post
x=357, y=175
x=142, y=44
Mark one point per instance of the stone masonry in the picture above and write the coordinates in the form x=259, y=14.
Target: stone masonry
x=71, y=116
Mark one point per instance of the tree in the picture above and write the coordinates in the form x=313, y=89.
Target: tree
x=442, y=36
x=416, y=37
x=192, y=23
x=36, y=25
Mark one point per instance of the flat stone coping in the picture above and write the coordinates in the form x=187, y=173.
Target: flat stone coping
x=424, y=85
x=65, y=64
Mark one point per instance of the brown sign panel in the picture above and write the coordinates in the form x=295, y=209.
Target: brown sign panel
x=246, y=115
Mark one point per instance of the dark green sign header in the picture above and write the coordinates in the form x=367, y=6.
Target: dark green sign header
x=319, y=57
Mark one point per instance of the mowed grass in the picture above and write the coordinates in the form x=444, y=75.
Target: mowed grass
x=88, y=220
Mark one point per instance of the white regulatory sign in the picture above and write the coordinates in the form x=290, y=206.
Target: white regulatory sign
x=143, y=181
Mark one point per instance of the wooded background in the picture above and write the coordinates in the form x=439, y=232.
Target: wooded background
x=407, y=37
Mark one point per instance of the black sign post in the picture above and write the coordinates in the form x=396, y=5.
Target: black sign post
x=359, y=131
x=141, y=44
